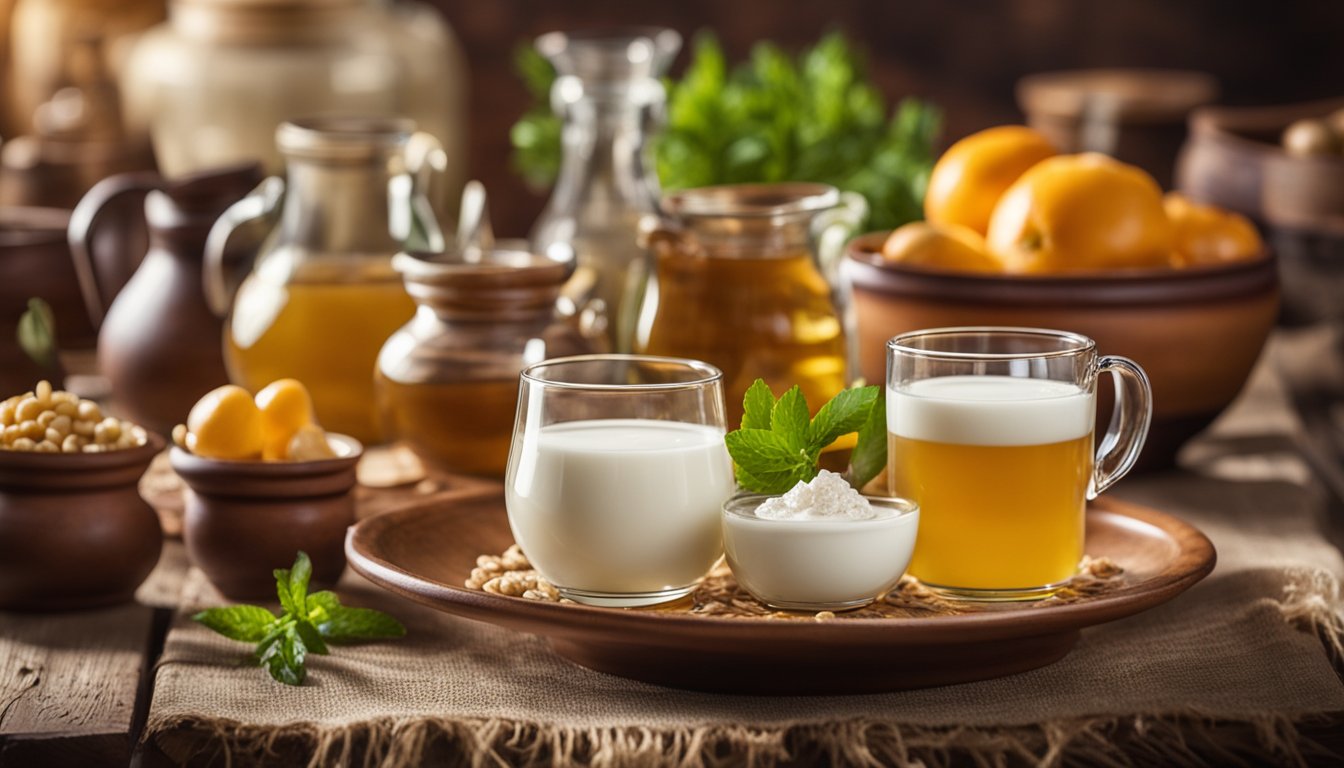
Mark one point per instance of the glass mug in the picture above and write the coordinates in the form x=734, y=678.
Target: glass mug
x=617, y=474
x=990, y=431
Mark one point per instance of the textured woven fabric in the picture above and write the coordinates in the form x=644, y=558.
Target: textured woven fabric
x=1249, y=646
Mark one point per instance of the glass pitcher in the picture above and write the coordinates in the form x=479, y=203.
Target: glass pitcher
x=610, y=98
x=323, y=296
x=741, y=283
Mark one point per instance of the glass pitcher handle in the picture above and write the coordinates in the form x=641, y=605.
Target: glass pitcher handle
x=1128, y=429
x=259, y=203
x=833, y=228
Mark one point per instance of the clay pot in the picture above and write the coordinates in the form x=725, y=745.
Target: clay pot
x=1196, y=332
x=1233, y=159
x=160, y=346
x=1135, y=115
x=247, y=518
x=35, y=263
x=74, y=532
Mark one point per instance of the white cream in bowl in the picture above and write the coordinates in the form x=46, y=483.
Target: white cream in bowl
x=821, y=546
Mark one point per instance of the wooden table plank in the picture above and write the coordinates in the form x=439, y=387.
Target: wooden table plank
x=68, y=685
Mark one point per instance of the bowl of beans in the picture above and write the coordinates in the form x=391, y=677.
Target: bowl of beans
x=74, y=531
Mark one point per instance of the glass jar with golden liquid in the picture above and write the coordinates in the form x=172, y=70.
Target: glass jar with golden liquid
x=323, y=295
x=740, y=282
x=447, y=381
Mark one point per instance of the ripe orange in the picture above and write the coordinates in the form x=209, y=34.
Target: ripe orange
x=950, y=247
x=968, y=179
x=1207, y=234
x=1081, y=212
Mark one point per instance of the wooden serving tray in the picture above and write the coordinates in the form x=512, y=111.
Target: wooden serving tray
x=427, y=552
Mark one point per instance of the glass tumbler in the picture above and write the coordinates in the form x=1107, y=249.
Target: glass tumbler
x=990, y=431
x=617, y=474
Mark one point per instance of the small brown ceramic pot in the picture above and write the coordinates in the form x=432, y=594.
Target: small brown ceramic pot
x=247, y=518
x=74, y=532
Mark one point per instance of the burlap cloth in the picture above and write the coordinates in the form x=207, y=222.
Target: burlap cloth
x=1241, y=668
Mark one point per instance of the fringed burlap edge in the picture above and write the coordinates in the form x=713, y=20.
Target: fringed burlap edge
x=1311, y=602
x=394, y=743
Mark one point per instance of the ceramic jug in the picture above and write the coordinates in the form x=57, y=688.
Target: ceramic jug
x=323, y=295
x=159, y=343
x=35, y=264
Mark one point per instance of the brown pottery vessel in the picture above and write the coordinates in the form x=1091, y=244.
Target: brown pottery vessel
x=159, y=345
x=1197, y=332
x=35, y=263
x=74, y=532
x=246, y=518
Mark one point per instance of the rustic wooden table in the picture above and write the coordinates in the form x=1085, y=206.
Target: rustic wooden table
x=75, y=688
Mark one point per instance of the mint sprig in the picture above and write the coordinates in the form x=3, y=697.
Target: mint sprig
x=307, y=624
x=778, y=446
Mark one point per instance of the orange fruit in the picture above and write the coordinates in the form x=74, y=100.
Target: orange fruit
x=951, y=247
x=973, y=173
x=285, y=407
x=1207, y=234
x=1075, y=213
x=225, y=424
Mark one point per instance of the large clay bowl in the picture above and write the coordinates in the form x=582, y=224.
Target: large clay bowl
x=74, y=532
x=1197, y=332
x=246, y=518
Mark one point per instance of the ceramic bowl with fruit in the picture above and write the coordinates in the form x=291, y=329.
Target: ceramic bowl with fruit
x=264, y=482
x=1018, y=235
x=74, y=531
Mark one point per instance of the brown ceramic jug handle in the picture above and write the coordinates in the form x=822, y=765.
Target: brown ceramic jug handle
x=84, y=222
x=259, y=203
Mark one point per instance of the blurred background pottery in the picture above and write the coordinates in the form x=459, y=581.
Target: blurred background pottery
x=245, y=518
x=35, y=263
x=159, y=344
x=1134, y=115
x=74, y=531
x=1234, y=159
x=213, y=83
x=1197, y=332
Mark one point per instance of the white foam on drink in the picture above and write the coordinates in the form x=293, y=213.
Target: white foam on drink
x=989, y=410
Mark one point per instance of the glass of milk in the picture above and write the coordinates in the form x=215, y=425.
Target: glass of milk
x=990, y=431
x=617, y=475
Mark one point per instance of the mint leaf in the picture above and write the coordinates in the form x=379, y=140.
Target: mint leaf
x=321, y=604
x=870, y=452
x=347, y=625
x=845, y=413
x=312, y=639
x=757, y=405
x=284, y=657
x=789, y=419
x=291, y=585
x=767, y=463
x=245, y=623
x=37, y=333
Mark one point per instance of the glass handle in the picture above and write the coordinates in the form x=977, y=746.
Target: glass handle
x=260, y=203
x=1128, y=429
x=832, y=229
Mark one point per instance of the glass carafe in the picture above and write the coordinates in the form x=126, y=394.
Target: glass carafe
x=740, y=282
x=610, y=98
x=447, y=382
x=323, y=296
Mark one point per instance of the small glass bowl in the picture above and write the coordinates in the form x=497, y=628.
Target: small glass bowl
x=819, y=565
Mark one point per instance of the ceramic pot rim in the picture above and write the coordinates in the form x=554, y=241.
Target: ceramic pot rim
x=190, y=465
x=84, y=462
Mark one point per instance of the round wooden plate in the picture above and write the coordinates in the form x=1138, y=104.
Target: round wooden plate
x=427, y=552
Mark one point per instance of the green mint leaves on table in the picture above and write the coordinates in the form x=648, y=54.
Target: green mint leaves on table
x=37, y=333
x=778, y=445
x=308, y=623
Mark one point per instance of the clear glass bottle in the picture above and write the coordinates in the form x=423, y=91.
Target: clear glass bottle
x=740, y=283
x=213, y=83
x=447, y=382
x=609, y=95
x=323, y=297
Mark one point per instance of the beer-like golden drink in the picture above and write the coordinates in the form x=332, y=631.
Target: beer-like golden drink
x=1000, y=467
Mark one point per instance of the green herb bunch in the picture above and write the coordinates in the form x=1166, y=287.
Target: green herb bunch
x=778, y=446
x=308, y=624
x=773, y=118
